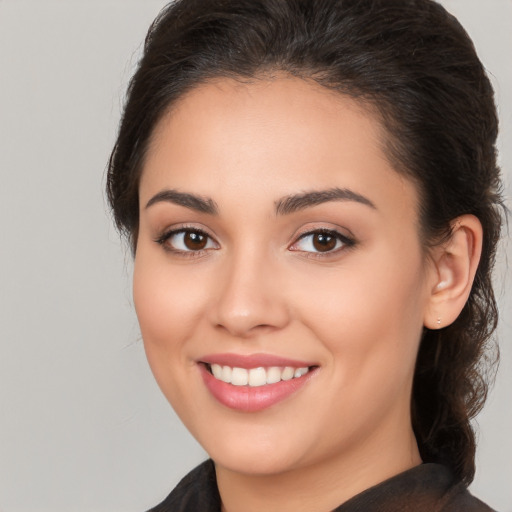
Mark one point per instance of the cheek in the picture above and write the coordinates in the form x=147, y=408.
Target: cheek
x=168, y=309
x=167, y=302
x=368, y=314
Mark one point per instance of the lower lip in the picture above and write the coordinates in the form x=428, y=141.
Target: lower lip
x=252, y=399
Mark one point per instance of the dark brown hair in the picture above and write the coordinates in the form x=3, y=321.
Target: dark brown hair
x=411, y=62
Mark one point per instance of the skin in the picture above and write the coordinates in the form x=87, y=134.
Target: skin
x=356, y=311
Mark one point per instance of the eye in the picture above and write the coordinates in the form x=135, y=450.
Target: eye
x=321, y=241
x=187, y=240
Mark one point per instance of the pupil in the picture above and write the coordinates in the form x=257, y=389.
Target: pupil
x=195, y=241
x=323, y=242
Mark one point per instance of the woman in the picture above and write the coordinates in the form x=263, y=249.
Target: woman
x=311, y=193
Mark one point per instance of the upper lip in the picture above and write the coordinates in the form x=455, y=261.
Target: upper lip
x=253, y=361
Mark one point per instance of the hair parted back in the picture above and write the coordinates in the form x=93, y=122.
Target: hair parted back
x=414, y=65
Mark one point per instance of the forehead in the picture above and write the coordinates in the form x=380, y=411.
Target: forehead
x=273, y=135
x=280, y=105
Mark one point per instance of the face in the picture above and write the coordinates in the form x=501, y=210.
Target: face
x=279, y=279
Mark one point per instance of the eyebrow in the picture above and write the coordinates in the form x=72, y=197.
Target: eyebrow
x=191, y=201
x=284, y=206
x=298, y=202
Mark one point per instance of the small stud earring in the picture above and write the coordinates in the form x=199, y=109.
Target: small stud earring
x=438, y=320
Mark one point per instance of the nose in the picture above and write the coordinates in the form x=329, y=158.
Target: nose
x=251, y=298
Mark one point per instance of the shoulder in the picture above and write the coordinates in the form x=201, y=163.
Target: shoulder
x=197, y=491
x=460, y=499
x=424, y=488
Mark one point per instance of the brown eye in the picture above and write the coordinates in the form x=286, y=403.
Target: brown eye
x=324, y=242
x=194, y=241
x=187, y=241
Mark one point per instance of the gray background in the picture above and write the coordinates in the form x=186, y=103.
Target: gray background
x=82, y=425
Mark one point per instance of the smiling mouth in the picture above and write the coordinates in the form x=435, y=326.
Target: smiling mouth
x=256, y=377
x=254, y=383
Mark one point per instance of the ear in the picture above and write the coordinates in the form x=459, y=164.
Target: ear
x=454, y=265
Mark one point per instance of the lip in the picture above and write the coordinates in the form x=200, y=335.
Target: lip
x=252, y=399
x=253, y=361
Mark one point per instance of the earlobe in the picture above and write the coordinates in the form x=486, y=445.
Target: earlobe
x=454, y=264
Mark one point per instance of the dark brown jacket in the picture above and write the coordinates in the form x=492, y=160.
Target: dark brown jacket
x=425, y=488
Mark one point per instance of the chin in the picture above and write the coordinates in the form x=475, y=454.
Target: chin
x=254, y=462
x=253, y=449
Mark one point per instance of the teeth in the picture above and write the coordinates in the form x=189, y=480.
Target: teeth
x=226, y=374
x=240, y=377
x=256, y=377
x=273, y=375
x=217, y=371
x=288, y=373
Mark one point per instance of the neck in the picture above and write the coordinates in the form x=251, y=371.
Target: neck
x=318, y=487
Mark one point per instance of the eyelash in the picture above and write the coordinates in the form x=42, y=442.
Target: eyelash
x=163, y=240
x=346, y=242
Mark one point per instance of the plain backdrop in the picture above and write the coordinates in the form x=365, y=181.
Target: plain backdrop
x=83, y=427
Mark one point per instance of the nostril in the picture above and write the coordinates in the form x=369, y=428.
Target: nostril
x=248, y=302
x=241, y=330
